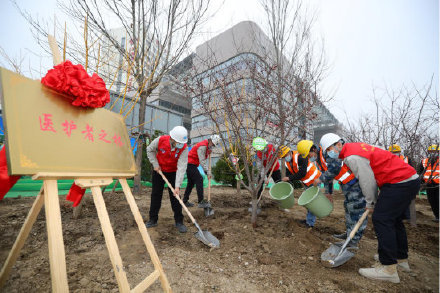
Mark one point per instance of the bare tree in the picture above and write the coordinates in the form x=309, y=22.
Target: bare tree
x=259, y=92
x=157, y=32
x=407, y=116
x=298, y=67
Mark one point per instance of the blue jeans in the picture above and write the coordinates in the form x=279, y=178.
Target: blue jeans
x=310, y=219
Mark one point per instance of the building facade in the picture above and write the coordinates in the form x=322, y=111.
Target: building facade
x=236, y=48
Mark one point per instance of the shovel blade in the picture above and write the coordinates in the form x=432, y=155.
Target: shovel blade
x=209, y=212
x=333, y=257
x=207, y=238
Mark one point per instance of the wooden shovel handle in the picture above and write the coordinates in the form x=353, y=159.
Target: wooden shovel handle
x=359, y=223
x=267, y=182
x=178, y=197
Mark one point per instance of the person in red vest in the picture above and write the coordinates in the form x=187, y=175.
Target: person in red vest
x=430, y=171
x=300, y=167
x=399, y=184
x=169, y=154
x=354, y=203
x=269, y=152
x=198, y=155
x=395, y=149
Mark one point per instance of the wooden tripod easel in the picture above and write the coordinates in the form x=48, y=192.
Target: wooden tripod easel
x=49, y=196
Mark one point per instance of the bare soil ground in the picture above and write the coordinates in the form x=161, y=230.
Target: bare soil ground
x=280, y=255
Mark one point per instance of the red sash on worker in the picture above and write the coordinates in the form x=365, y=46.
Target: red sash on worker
x=312, y=171
x=193, y=157
x=344, y=176
x=6, y=181
x=270, y=152
x=168, y=159
x=432, y=172
x=387, y=168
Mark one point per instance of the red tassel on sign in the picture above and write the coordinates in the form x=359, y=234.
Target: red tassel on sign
x=6, y=181
x=75, y=194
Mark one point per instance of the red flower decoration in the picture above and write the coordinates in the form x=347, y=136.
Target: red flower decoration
x=73, y=80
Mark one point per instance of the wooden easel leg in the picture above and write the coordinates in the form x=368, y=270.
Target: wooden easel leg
x=143, y=230
x=21, y=238
x=110, y=240
x=57, y=256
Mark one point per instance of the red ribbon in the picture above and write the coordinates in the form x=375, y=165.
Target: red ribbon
x=6, y=181
x=74, y=81
x=75, y=194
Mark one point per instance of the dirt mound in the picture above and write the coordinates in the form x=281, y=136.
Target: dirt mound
x=280, y=255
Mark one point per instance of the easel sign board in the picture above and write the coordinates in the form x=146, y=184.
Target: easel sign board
x=45, y=133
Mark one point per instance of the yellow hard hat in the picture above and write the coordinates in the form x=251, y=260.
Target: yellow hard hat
x=433, y=147
x=284, y=150
x=395, y=148
x=304, y=147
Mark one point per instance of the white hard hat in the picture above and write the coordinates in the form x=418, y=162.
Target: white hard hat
x=179, y=134
x=215, y=139
x=328, y=140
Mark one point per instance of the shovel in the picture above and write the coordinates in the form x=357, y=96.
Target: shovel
x=204, y=236
x=208, y=210
x=336, y=255
x=267, y=182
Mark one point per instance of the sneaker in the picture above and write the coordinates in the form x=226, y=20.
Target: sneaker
x=341, y=236
x=181, y=227
x=401, y=264
x=381, y=272
x=188, y=204
x=203, y=204
x=151, y=224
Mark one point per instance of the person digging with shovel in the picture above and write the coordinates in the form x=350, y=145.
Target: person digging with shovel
x=399, y=184
x=265, y=153
x=198, y=155
x=169, y=154
x=354, y=203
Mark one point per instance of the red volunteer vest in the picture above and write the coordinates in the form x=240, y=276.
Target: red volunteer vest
x=344, y=176
x=429, y=169
x=387, y=168
x=193, y=157
x=168, y=159
x=269, y=153
x=312, y=171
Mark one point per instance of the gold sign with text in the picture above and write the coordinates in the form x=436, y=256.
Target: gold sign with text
x=45, y=133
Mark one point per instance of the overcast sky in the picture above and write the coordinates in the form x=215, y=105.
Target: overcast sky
x=368, y=42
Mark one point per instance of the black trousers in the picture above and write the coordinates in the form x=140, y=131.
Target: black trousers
x=156, y=197
x=276, y=176
x=194, y=177
x=432, y=193
x=387, y=218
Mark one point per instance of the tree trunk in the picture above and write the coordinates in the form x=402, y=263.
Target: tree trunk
x=238, y=187
x=254, y=211
x=138, y=159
